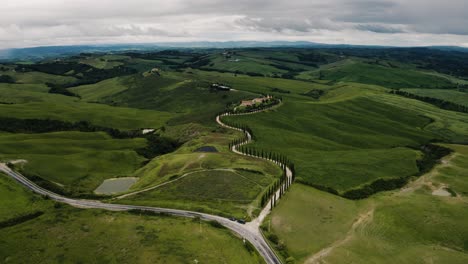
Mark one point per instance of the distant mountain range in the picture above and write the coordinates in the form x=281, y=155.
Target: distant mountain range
x=38, y=53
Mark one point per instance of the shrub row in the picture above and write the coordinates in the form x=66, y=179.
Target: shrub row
x=434, y=101
x=20, y=219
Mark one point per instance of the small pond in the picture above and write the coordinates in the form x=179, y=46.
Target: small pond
x=115, y=185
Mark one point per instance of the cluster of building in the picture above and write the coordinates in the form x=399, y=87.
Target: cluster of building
x=256, y=101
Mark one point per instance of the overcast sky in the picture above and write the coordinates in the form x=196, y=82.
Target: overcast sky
x=26, y=23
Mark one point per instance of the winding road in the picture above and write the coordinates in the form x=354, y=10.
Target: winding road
x=250, y=231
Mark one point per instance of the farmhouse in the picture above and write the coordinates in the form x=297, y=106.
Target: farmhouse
x=255, y=101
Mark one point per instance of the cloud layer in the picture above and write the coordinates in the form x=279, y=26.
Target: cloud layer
x=26, y=23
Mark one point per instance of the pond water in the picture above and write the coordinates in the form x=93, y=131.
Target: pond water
x=115, y=185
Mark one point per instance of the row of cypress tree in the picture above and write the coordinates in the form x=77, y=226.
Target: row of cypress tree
x=280, y=186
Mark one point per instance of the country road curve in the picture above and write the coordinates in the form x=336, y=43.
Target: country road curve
x=255, y=223
x=255, y=238
x=250, y=231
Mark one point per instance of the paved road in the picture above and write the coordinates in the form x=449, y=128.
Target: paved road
x=249, y=231
x=255, y=238
x=255, y=223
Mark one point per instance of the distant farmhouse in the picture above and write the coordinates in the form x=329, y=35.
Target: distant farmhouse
x=256, y=101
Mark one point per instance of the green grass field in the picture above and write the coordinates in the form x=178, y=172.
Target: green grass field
x=337, y=122
x=455, y=175
x=226, y=192
x=97, y=114
x=40, y=78
x=215, y=182
x=76, y=161
x=64, y=235
x=362, y=72
x=449, y=126
x=104, y=62
x=243, y=62
x=307, y=220
x=175, y=93
x=453, y=96
x=16, y=201
x=342, y=144
x=94, y=92
x=408, y=226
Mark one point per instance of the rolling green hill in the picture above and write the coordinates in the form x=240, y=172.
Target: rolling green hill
x=338, y=122
x=362, y=72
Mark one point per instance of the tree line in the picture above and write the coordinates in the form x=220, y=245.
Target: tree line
x=279, y=187
x=6, y=79
x=431, y=156
x=156, y=144
x=84, y=73
x=20, y=219
x=447, y=105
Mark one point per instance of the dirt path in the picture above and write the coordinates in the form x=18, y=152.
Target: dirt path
x=254, y=225
x=426, y=179
x=363, y=220
x=166, y=183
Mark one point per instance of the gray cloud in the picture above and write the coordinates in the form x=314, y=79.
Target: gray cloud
x=390, y=29
x=399, y=22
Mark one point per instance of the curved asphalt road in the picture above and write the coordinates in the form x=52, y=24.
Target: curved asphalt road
x=253, y=237
x=249, y=231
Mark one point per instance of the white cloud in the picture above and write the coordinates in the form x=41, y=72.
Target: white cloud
x=376, y=22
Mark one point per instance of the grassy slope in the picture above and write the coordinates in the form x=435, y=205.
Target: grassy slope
x=350, y=136
x=16, y=201
x=101, y=63
x=175, y=93
x=97, y=114
x=448, y=125
x=94, y=92
x=80, y=161
x=361, y=72
x=65, y=235
x=225, y=187
x=40, y=78
x=246, y=63
x=406, y=227
x=341, y=144
x=414, y=229
x=216, y=192
x=453, y=96
x=119, y=238
x=307, y=220
x=455, y=175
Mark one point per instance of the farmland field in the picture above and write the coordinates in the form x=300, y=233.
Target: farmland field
x=401, y=225
x=379, y=174
x=72, y=233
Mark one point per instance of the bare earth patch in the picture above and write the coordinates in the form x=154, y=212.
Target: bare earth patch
x=426, y=179
x=361, y=222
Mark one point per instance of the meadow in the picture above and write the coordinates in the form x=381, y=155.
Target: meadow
x=16, y=201
x=63, y=234
x=73, y=162
x=342, y=144
x=338, y=123
x=453, y=96
x=372, y=73
x=215, y=182
x=411, y=225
